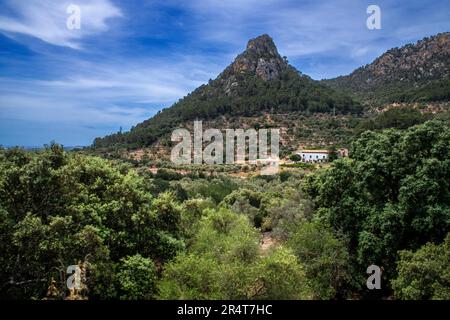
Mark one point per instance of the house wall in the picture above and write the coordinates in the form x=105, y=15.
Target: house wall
x=310, y=157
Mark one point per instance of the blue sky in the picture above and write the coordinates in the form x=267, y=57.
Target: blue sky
x=132, y=58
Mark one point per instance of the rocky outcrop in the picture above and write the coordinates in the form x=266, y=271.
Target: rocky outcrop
x=261, y=58
x=410, y=66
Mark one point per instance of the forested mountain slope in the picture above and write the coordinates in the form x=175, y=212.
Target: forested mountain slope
x=259, y=80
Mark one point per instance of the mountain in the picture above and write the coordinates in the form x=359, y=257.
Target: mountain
x=258, y=81
x=414, y=72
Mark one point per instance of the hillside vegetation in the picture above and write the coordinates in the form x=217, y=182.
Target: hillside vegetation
x=258, y=81
x=138, y=235
x=261, y=90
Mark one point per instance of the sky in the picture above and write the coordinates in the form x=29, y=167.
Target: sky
x=130, y=59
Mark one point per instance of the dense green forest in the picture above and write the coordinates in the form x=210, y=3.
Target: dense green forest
x=436, y=90
x=433, y=90
x=166, y=235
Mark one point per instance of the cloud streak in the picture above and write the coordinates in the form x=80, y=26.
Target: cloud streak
x=132, y=58
x=105, y=96
x=46, y=20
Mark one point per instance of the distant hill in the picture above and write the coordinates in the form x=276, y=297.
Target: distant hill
x=415, y=72
x=259, y=81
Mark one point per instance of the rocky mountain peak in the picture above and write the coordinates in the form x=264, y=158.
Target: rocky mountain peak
x=262, y=45
x=261, y=58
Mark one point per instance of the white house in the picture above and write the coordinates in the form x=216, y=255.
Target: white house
x=320, y=155
x=314, y=155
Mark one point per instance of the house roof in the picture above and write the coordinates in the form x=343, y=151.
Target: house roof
x=314, y=151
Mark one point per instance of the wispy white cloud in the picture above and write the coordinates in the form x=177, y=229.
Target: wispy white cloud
x=317, y=30
x=46, y=20
x=157, y=51
x=105, y=95
x=300, y=27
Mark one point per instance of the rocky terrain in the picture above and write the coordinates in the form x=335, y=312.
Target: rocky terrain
x=400, y=69
x=261, y=57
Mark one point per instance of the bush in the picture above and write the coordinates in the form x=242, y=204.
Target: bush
x=393, y=194
x=59, y=209
x=137, y=278
x=425, y=273
x=219, y=262
x=280, y=276
x=325, y=259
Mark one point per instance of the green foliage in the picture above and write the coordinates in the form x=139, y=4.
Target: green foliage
x=231, y=234
x=437, y=90
x=137, y=278
x=215, y=188
x=393, y=194
x=333, y=155
x=290, y=93
x=231, y=268
x=276, y=204
x=192, y=212
x=425, y=273
x=213, y=272
x=302, y=165
x=192, y=276
x=287, y=212
x=281, y=277
x=326, y=260
x=59, y=209
x=197, y=236
x=251, y=203
x=400, y=118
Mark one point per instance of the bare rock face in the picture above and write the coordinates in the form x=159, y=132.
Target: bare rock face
x=427, y=59
x=261, y=58
x=262, y=45
x=410, y=65
x=267, y=70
